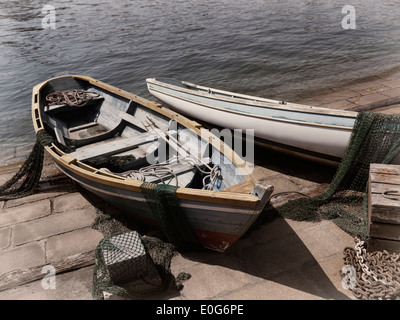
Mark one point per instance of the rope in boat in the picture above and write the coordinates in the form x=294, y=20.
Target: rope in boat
x=161, y=170
x=72, y=98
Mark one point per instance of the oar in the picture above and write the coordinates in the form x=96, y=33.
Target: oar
x=170, y=136
x=164, y=138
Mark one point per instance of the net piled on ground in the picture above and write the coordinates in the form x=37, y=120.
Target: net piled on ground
x=375, y=139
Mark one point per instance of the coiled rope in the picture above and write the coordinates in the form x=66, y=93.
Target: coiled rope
x=72, y=98
x=162, y=170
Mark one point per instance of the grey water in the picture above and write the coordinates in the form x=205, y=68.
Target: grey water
x=268, y=48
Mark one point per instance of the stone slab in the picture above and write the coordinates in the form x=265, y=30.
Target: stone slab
x=22, y=257
x=5, y=238
x=23, y=213
x=70, y=201
x=53, y=225
x=370, y=98
x=75, y=285
x=71, y=243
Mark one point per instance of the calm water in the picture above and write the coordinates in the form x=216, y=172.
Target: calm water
x=263, y=47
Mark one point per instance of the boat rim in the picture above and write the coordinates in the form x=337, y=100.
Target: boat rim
x=245, y=99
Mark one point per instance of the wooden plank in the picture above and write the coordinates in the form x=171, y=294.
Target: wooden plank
x=132, y=120
x=83, y=126
x=242, y=187
x=59, y=135
x=113, y=147
x=385, y=178
x=379, y=188
x=385, y=168
x=226, y=198
x=384, y=210
x=384, y=231
x=383, y=244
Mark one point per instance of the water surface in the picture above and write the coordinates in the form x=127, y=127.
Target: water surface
x=270, y=48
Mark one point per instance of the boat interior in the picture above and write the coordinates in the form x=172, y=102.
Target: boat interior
x=147, y=144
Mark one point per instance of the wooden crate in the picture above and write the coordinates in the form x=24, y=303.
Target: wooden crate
x=384, y=208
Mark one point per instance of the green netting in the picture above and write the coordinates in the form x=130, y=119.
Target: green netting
x=113, y=163
x=131, y=267
x=163, y=203
x=113, y=222
x=24, y=182
x=375, y=139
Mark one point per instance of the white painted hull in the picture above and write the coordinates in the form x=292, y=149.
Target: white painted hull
x=317, y=133
x=323, y=140
x=316, y=138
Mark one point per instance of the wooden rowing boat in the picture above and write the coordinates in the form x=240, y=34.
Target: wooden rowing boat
x=159, y=144
x=316, y=133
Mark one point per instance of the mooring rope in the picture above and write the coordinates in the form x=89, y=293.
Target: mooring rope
x=72, y=98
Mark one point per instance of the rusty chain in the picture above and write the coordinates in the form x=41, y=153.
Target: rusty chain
x=377, y=274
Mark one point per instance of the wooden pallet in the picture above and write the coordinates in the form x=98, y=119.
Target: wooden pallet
x=384, y=208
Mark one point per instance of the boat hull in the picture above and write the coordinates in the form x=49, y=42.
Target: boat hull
x=218, y=218
x=216, y=226
x=317, y=134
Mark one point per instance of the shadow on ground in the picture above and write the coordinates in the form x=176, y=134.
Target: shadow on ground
x=271, y=250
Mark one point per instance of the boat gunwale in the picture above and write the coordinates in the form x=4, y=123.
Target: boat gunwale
x=288, y=107
x=91, y=173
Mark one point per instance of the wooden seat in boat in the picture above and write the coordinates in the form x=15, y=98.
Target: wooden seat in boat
x=114, y=146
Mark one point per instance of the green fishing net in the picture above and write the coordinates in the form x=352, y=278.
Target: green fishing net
x=24, y=182
x=163, y=203
x=375, y=139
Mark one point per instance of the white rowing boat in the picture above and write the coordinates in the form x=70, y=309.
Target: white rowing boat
x=311, y=132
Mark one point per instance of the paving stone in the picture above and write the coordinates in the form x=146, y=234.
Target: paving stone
x=32, y=198
x=5, y=176
x=370, y=98
x=71, y=243
x=393, y=109
x=53, y=225
x=291, y=286
x=70, y=201
x=22, y=257
x=76, y=285
x=340, y=105
x=336, y=96
x=283, y=184
x=309, y=102
x=5, y=238
x=323, y=239
x=393, y=83
x=392, y=93
x=269, y=259
x=373, y=88
x=331, y=267
x=213, y=280
x=23, y=213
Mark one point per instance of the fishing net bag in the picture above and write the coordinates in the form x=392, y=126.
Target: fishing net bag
x=125, y=268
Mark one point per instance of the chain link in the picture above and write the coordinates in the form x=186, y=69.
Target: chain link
x=377, y=273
